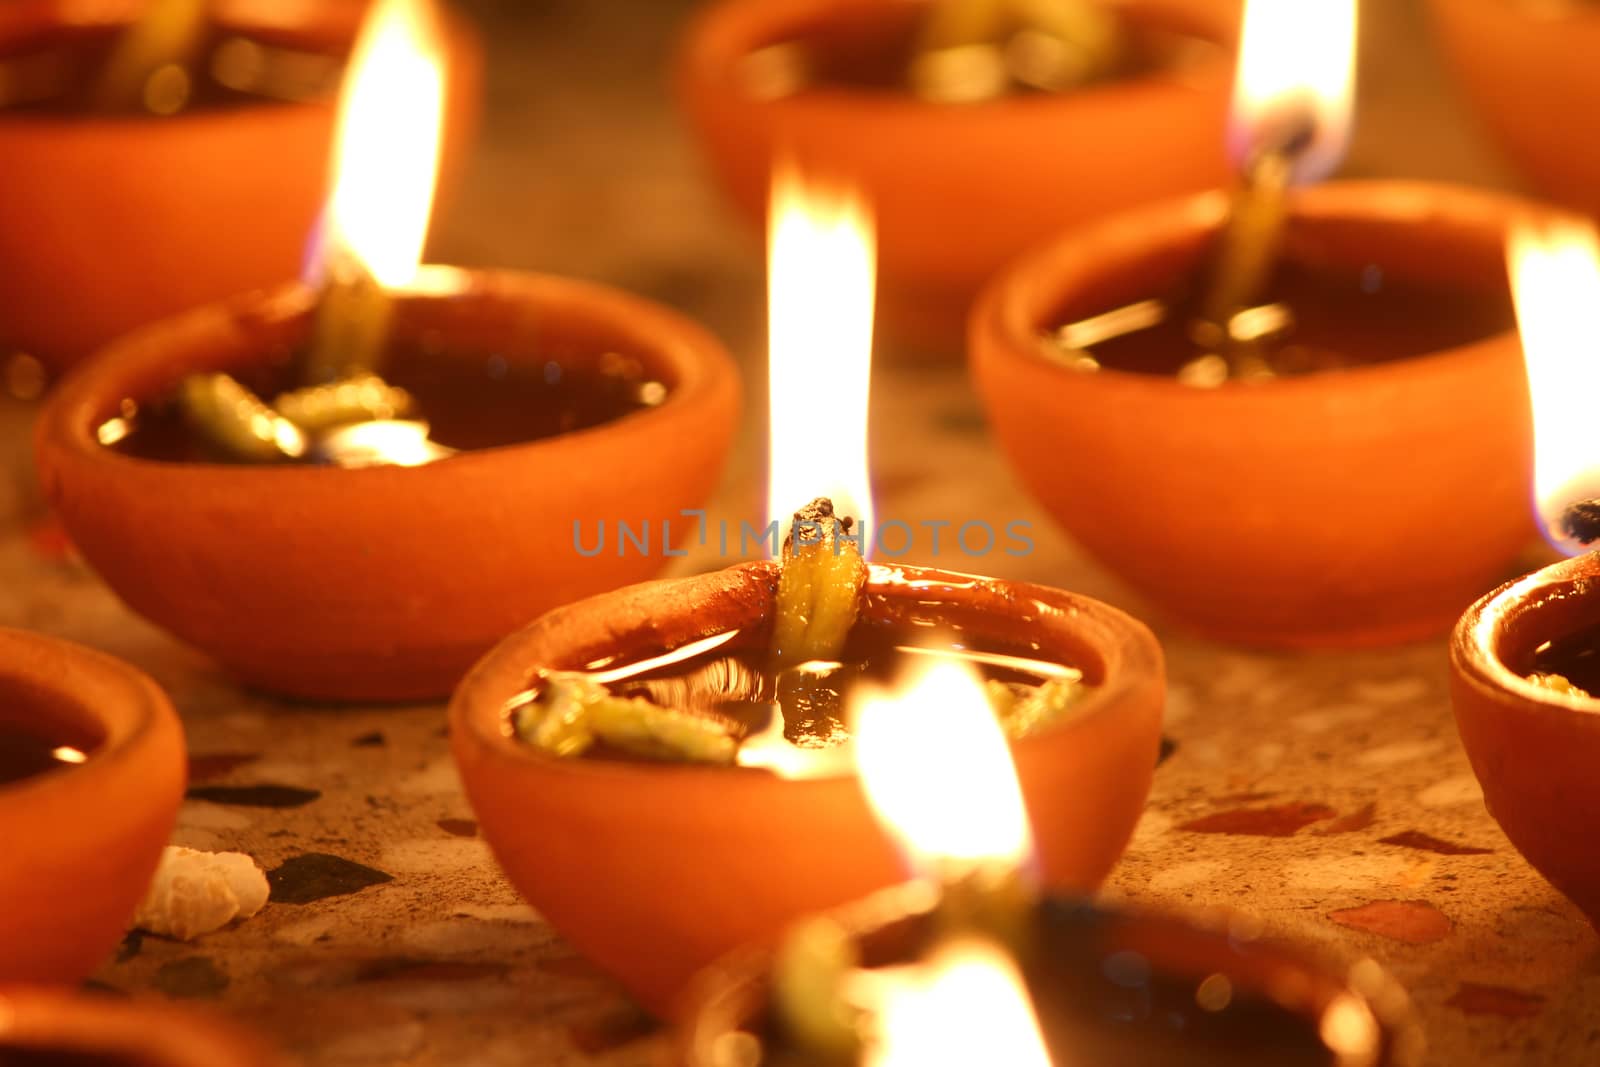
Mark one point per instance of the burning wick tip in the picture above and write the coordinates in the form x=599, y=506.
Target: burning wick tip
x=820, y=510
x=1288, y=135
x=1581, y=521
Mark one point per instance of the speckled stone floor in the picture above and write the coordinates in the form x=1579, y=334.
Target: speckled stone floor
x=1327, y=796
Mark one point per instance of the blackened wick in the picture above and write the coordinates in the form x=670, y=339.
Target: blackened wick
x=1581, y=521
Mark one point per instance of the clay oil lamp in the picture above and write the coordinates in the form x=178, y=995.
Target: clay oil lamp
x=91, y=775
x=137, y=133
x=1525, y=659
x=975, y=126
x=1527, y=67
x=245, y=476
x=44, y=1028
x=1263, y=415
x=969, y=964
x=662, y=771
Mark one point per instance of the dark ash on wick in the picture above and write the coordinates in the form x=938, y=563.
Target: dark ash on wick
x=815, y=524
x=819, y=511
x=1581, y=521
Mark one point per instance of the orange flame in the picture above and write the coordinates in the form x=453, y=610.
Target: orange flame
x=821, y=266
x=1295, y=85
x=386, y=156
x=967, y=1005
x=937, y=770
x=1555, y=277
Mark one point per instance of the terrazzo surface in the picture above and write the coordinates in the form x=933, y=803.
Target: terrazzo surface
x=1325, y=798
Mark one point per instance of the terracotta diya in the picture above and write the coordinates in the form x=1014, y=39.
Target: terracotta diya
x=615, y=742
x=1534, y=748
x=1528, y=67
x=49, y=1028
x=91, y=775
x=1525, y=659
x=351, y=493
x=1107, y=986
x=114, y=216
x=385, y=583
x=958, y=188
x=653, y=870
x=1263, y=410
x=1306, y=510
